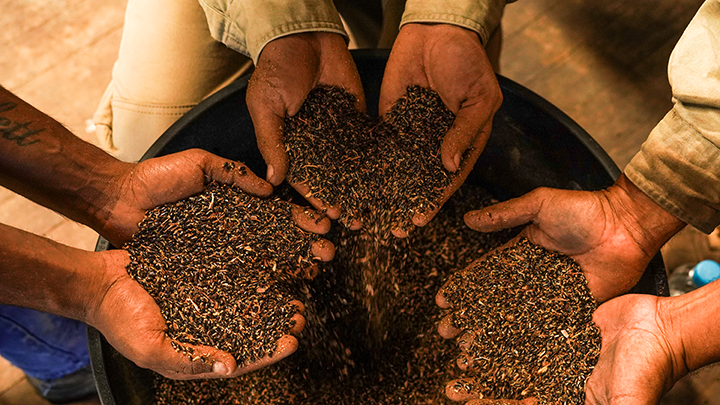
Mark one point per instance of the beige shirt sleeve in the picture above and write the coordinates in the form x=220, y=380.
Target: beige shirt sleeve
x=246, y=26
x=481, y=16
x=679, y=164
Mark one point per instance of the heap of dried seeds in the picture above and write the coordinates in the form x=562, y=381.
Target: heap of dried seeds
x=529, y=312
x=223, y=267
x=379, y=172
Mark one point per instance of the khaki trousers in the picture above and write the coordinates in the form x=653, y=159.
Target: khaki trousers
x=168, y=62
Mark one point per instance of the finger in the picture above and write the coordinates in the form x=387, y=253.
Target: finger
x=340, y=71
x=323, y=249
x=466, y=340
x=472, y=127
x=446, y=329
x=235, y=173
x=286, y=346
x=269, y=128
x=298, y=320
x=441, y=301
x=404, y=68
x=354, y=225
x=402, y=232
x=468, y=389
x=194, y=362
x=309, y=220
x=508, y=214
x=330, y=210
x=464, y=362
x=423, y=218
x=463, y=389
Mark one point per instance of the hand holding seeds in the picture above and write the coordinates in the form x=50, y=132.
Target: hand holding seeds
x=288, y=68
x=146, y=185
x=611, y=233
x=640, y=359
x=222, y=270
x=131, y=321
x=451, y=61
x=380, y=173
x=523, y=315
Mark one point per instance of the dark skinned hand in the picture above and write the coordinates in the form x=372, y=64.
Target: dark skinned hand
x=451, y=61
x=288, y=68
x=126, y=315
x=640, y=359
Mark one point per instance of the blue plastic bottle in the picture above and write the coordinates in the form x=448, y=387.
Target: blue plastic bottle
x=688, y=277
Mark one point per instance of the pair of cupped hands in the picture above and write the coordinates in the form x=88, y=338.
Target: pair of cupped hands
x=612, y=233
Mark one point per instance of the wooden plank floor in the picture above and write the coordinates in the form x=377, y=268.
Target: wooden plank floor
x=602, y=62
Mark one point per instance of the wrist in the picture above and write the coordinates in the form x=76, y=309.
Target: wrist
x=103, y=193
x=110, y=266
x=671, y=325
x=692, y=330
x=650, y=225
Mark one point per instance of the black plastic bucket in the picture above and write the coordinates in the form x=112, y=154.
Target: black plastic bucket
x=533, y=144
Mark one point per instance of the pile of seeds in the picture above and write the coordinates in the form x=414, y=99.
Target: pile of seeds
x=337, y=361
x=530, y=314
x=223, y=267
x=379, y=172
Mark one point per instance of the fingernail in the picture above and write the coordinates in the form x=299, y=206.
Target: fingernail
x=220, y=368
x=270, y=173
x=456, y=159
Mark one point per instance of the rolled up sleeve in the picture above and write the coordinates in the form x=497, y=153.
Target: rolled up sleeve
x=246, y=26
x=481, y=16
x=679, y=164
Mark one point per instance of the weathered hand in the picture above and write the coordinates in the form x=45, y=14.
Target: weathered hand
x=451, y=61
x=288, y=68
x=146, y=185
x=612, y=234
x=640, y=359
x=131, y=320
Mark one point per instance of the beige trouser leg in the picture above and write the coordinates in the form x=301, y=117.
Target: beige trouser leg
x=168, y=63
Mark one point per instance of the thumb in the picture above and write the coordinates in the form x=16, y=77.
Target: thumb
x=269, y=132
x=204, y=362
x=180, y=361
x=507, y=214
x=471, y=128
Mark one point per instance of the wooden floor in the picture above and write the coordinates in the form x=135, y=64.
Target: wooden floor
x=602, y=62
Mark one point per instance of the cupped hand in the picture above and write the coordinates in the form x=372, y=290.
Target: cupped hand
x=612, y=234
x=640, y=359
x=451, y=61
x=143, y=186
x=287, y=70
x=132, y=323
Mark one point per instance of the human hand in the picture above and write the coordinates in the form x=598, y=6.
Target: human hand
x=612, y=234
x=132, y=322
x=451, y=61
x=137, y=188
x=640, y=359
x=288, y=68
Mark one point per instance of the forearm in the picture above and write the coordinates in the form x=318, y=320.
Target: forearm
x=42, y=160
x=41, y=274
x=694, y=329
